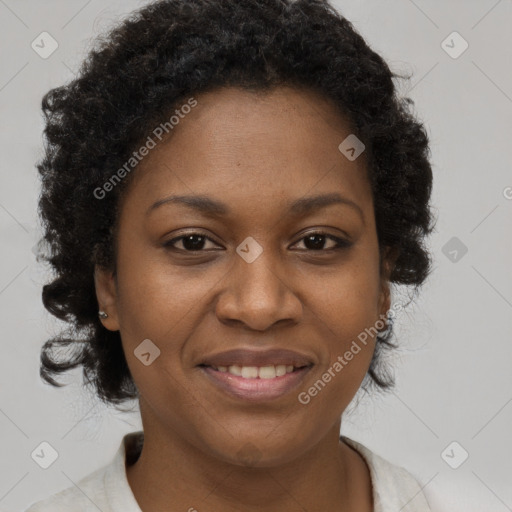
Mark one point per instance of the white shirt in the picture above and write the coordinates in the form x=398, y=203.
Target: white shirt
x=107, y=489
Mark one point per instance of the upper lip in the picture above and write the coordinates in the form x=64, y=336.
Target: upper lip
x=248, y=357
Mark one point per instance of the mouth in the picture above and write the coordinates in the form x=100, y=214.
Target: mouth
x=256, y=383
x=256, y=375
x=271, y=371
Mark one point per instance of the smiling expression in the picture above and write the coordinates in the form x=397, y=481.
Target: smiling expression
x=247, y=229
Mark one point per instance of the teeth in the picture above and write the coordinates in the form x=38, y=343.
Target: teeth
x=266, y=372
x=283, y=370
x=249, y=372
x=235, y=370
x=254, y=372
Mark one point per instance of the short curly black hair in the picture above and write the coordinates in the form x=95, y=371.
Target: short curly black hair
x=140, y=72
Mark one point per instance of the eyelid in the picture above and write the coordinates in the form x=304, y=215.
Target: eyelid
x=169, y=243
x=342, y=243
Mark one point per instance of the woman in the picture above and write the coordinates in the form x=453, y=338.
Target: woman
x=229, y=190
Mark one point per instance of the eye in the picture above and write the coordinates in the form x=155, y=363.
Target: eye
x=315, y=242
x=195, y=242
x=191, y=242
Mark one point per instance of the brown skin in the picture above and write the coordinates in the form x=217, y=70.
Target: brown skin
x=256, y=153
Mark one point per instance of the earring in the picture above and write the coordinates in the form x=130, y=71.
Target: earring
x=102, y=314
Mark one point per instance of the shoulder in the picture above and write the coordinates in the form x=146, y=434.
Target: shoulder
x=77, y=497
x=393, y=486
x=106, y=489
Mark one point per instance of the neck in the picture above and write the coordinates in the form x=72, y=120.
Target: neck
x=330, y=476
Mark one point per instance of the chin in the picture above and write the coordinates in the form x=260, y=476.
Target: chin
x=258, y=450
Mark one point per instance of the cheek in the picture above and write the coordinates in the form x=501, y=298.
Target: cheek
x=348, y=298
x=346, y=313
x=344, y=316
x=155, y=295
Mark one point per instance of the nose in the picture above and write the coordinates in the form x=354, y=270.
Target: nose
x=258, y=295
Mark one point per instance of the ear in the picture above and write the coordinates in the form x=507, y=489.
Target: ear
x=389, y=257
x=106, y=293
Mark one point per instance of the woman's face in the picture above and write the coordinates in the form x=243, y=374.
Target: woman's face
x=258, y=282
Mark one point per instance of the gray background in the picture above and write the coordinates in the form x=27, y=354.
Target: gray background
x=454, y=367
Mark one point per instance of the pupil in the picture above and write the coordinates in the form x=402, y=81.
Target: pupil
x=317, y=245
x=193, y=246
x=196, y=242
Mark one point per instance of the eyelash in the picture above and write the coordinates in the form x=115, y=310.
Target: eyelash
x=341, y=243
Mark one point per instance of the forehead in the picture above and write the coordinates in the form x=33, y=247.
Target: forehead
x=248, y=147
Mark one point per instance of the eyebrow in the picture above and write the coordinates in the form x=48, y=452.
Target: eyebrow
x=212, y=207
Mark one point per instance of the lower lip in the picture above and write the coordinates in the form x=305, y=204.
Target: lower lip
x=256, y=389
